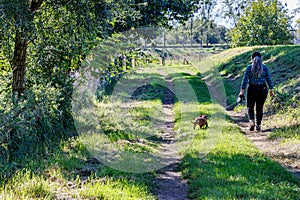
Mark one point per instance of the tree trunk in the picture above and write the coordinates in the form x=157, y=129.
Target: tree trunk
x=19, y=63
x=20, y=48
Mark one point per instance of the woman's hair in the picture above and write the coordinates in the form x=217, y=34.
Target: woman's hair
x=256, y=68
x=256, y=53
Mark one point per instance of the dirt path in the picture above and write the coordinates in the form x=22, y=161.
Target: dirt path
x=285, y=154
x=170, y=185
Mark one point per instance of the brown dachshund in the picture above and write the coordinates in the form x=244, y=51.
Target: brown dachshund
x=201, y=121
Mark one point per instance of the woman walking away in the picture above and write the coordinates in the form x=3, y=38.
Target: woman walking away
x=258, y=76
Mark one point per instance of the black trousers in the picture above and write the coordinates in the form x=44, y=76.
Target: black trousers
x=256, y=96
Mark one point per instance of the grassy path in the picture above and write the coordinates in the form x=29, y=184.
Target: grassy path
x=169, y=182
x=232, y=168
x=284, y=154
x=218, y=162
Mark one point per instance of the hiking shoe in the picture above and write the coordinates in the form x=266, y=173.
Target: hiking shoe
x=258, y=129
x=252, y=125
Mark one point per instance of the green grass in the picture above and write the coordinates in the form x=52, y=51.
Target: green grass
x=284, y=65
x=235, y=169
x=70, y=168
x=71, y=171
x=287, y=132
x=25, y=185
x=220, y=163
x=110, y=189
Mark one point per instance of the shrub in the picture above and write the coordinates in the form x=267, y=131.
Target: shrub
x=32, y=122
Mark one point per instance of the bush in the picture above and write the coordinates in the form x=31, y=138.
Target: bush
x=32, y=122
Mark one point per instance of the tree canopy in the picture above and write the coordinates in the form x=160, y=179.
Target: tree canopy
x=264, y=22
x=48, y=34
x=43, y=41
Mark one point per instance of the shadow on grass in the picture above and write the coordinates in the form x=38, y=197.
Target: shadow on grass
x=198, y=86
x=156, y=91
x=153, y=92
x=238, y=176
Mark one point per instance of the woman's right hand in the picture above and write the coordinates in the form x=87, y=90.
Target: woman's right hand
x=241, y=93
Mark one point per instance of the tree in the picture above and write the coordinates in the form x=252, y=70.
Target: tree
x=43, y=41
x=232, y=10
x=297, y=10
x=218, y=34
x=264, y=22
x=297, y=34
x=46, y=33
x=205, y=22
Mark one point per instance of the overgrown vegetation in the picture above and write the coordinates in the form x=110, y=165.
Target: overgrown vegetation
x=71, y=169
x=72, y=172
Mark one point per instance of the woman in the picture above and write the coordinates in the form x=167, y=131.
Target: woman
x=258, y=76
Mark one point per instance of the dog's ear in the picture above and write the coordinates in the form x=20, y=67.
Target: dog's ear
x=204, y=116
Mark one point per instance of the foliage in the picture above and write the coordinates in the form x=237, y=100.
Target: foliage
x=209, y=32
x=205, y=21
x=298, y=28
x=153, y=13
x=264, y=22
x=234, y=169
x=33, y=124
x=57, y=37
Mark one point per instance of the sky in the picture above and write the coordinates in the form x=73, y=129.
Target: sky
x=291, y=4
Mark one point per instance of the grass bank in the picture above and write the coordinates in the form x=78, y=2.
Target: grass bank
x=220, y=163
x=283, y=110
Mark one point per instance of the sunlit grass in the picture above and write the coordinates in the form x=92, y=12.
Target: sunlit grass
x=107, y=190
x=70, y=173
x=25, y=185
x=219, y=162
x=235, y=169
x=129, y=125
